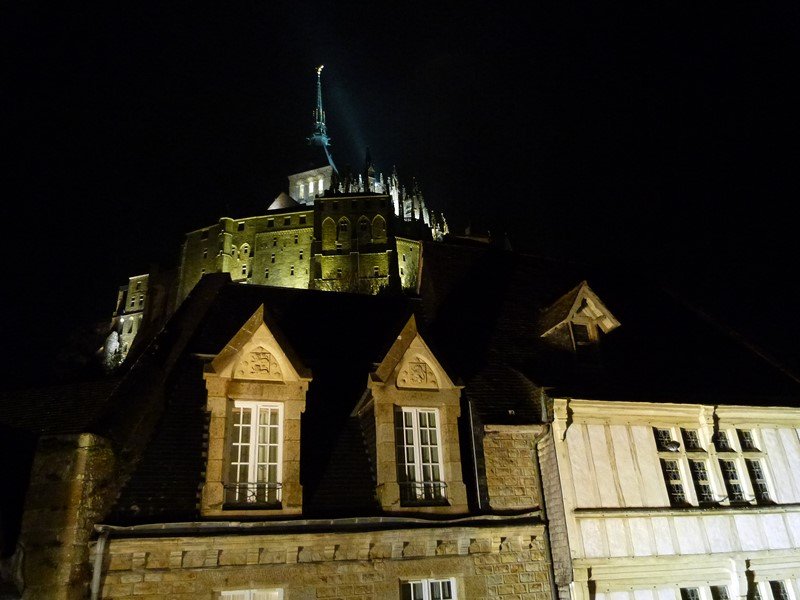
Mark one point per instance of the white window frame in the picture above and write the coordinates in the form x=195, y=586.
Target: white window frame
x=429, y=490
x=704, y=592
x=252, y=594
x=253, y=463
x=764, y=588
x=683, y=459
x=408, y=591
x=741, y=457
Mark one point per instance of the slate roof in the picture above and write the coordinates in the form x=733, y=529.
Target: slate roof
x=338, y=337
x=663, y=350
x=479, y=310
x=63, y=408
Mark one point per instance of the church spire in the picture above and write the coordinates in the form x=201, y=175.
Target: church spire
x=319, y=137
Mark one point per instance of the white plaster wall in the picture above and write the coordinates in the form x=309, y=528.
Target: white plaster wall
x=686, y=535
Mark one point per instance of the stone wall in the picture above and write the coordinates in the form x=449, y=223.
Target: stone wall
x=65, y=496
x=511, y=473
x=486, y=562
x=408, y=259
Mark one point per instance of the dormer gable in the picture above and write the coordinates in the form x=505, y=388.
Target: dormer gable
x=576, y=319
x=411, y=365
x=259, y=353
x=257, y=389
x=410, y=415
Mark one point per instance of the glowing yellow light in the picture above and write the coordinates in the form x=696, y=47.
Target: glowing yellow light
x=319, y=69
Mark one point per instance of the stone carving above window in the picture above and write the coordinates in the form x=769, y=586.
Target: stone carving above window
x=416, y=373
x=259, y=363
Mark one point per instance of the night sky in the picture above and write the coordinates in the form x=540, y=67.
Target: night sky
x=659, y=138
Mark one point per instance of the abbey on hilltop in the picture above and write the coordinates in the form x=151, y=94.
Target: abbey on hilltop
x=335, y=230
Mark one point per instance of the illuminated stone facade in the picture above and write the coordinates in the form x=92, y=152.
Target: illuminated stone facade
x=345, y=243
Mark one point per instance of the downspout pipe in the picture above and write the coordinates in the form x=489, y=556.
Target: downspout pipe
x=474, y=455
x=99, y=558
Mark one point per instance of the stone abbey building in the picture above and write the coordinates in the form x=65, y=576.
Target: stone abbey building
x=333, y=231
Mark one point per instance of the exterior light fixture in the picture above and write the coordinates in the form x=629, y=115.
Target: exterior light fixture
x=672, y=445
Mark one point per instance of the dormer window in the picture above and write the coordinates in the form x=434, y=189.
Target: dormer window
x=255, y=453
x=256, y=395
x=413, y=408
x=419, y=462
x=581, y=335
x=576, y=320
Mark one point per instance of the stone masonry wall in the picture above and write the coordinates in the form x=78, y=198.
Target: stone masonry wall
x=67, y=490
x=494, y=562
x=511, y=473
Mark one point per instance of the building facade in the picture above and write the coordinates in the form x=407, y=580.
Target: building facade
x=519, y=440
x=678, y=501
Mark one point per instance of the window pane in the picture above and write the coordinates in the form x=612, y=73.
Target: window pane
x=747, y=442
x=690, y=594
x=719, y=592
x=778, y=590
x=721, y=441
x=691, y=440
x=759, y=480
x=730, y=474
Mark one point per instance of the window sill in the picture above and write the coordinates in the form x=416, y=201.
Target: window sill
x=771, y=508
x=252, y=506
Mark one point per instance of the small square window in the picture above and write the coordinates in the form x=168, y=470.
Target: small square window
x=746, y=441
x=303, y=219
x=270, y=222
x=721, y=441
x=719, y=592
x=244, y=270
x=690, y=594
x=240, y=226
x=335, y=205
x=664, y=440
x=691, y=440
x=287, y=221
x=376, y=272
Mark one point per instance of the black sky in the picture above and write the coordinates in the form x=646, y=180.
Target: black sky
x=661, y=137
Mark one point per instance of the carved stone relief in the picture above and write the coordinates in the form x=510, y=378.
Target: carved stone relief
x=259, y=364
x=417, y=374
